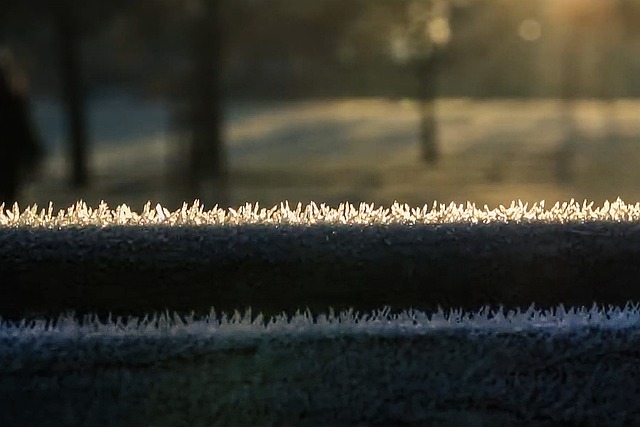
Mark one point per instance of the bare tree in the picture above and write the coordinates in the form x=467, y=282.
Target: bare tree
x=70, y=38
x=422, y=44
x=591, y=36
x=207, y=157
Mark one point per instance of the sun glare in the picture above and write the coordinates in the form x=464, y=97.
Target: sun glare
x=582, y=13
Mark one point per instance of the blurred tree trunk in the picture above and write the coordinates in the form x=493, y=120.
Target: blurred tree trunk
x=427, y=79
x=570, y=90
x=429, y=32
x=70, y=39
x=207, y=160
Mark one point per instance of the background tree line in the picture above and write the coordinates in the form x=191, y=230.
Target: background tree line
x=197, y=54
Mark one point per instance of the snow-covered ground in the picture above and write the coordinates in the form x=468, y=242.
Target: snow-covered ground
x=357, y=150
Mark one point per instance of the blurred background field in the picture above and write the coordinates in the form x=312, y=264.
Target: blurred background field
x=234, y=101
x=367, y=150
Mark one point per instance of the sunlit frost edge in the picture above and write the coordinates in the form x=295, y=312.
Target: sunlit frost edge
x=364, y=214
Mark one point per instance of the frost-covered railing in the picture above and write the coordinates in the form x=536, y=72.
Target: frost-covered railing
x=531, y=367
x=411, y=362
x=98, y=260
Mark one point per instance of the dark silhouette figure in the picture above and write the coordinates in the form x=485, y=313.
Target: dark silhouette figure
x=20, y=149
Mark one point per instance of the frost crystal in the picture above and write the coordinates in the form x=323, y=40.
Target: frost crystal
x=348, y=322
x=102, y=216
x=379, y=368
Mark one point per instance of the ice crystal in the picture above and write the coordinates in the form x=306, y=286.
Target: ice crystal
x=344, y=323
x=80, y=214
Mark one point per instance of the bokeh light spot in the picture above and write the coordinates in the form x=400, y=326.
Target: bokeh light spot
x=530, y=30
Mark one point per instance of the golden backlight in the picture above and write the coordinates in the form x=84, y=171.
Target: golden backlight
x=583, y=13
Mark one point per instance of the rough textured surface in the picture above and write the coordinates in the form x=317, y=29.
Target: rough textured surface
x=532, y=368
x=103, y=261
x=515, y=368
x=80, y=214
